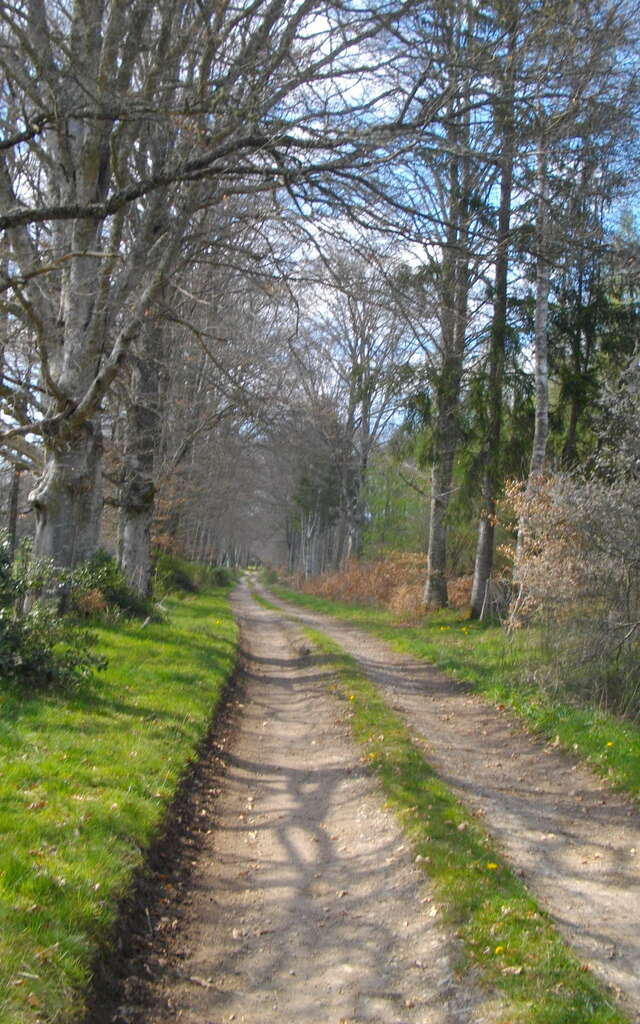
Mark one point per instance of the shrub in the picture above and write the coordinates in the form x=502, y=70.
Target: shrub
x=407, y=601
x=90, y=603
x=268, y=576
x=38, y=647
x=173, y=573
x=371, y=582
x=460, y=591
x=578, y=567
x=395, y=582
x=220, y=576
x=99, y=586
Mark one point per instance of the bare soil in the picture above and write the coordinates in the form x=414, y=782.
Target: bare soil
x=303, y=904
x=574, y=840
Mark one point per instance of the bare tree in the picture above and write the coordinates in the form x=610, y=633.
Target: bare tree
x=448, y=180
x=360, y=349
x=124, y=124
x=505, y=131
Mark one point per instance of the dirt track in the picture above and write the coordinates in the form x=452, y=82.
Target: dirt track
x=576, y=842
x=305, y=906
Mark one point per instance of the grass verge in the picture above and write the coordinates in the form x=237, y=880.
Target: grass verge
x=502, y=668
x=85, y=781
x=503, y=931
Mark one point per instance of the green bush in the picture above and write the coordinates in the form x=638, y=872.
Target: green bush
x=173, y=573
x=268, y=576
x=99, y=586
x=220, y=576
x=38, y=647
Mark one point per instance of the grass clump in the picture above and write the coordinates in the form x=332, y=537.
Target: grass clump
x=503, y=931
x=505, y=669
x=85, y=778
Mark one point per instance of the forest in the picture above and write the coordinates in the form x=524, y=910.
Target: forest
x=319, y=491
x=306, y=283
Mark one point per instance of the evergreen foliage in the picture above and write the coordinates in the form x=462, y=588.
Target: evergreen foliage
x=39, y=648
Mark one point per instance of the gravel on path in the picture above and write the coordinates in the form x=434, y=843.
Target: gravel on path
x=306, y=906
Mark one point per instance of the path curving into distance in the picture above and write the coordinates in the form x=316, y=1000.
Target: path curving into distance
x=305, y=906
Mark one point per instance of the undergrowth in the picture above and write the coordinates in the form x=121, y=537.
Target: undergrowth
x=173, y=574
x=98, y=588
x=39, y=649
x=85, y=778
x=395, y=582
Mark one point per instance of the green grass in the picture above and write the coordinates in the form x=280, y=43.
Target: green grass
x=85, y=781
x=503, y=931
x=501, y=667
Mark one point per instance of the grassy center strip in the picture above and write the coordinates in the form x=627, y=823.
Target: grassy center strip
x=85, y=780
x=503, y=931
x=502, y=668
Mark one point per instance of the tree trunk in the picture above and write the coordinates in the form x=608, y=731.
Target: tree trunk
x=68, y=496
x=569, y=448
x=135, y=537
x=12, y=517
x=491, y=455
x=355, y=503
x=453, y=300
x=137, y=498
x=484, y=559
x=543, y=275
x=435, y=595
x=446, y=432
x=541, y=367
x=340, y=540
x=68, y=499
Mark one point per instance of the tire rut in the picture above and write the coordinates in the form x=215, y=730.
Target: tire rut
x=575, y=841
x=306, y=905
